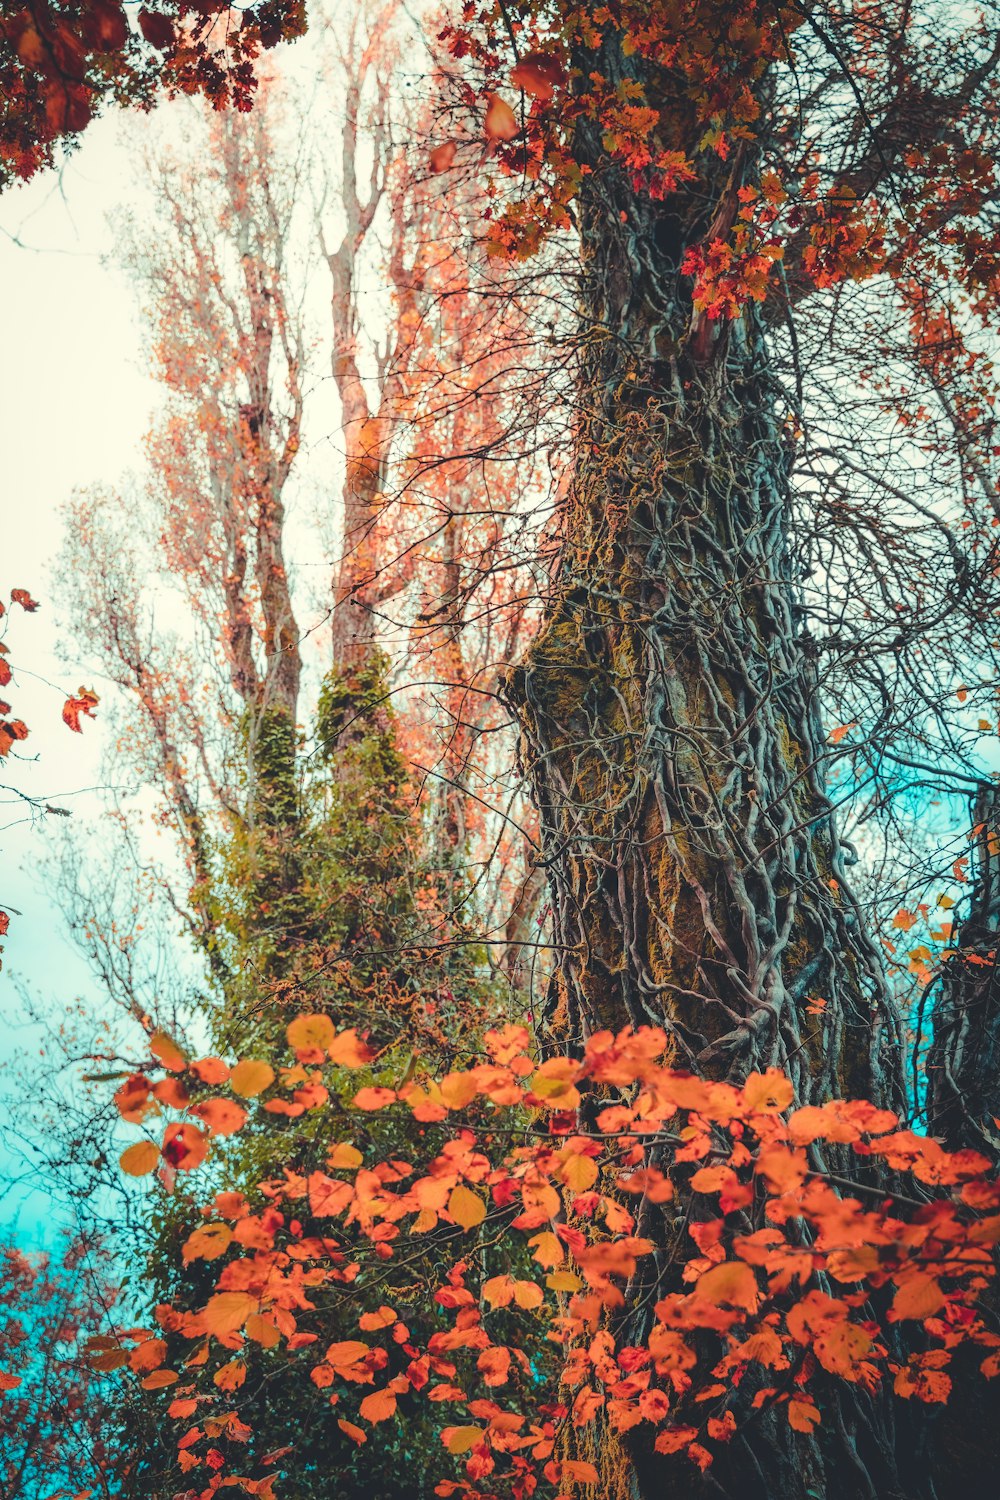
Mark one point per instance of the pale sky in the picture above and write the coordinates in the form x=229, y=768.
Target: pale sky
x=75, y=402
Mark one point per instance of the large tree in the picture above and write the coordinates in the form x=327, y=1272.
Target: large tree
x=734, y=173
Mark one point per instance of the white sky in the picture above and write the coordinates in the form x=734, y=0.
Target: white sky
x=75, y=402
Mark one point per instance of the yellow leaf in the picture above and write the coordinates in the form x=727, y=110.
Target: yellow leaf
x=563, y=1281
x=458, y=1089
x=309, y=1033
x=547, y=1248
x=207, y=1243
x=249, y=1078
x=578, y=1172
x=140, y=1159
x=344, y=1157
x=768, y=1093
x=460, y=1439
x=498, y=1291
x=466, y=1208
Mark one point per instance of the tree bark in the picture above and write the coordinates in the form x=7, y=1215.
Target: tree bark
x=673, y=730
x=963, y=1063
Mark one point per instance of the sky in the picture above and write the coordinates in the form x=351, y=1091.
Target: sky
x=75, y=402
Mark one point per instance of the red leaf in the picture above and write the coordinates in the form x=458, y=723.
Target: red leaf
x=84, y=703
x=158, y=30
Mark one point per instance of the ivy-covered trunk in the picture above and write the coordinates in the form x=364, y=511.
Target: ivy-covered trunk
x=670, y=700
x=963, y=1064
x=674, y=737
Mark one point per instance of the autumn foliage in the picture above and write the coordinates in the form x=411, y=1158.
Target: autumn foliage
x=60, y=61
x=798, y=1269
x=570, y=1114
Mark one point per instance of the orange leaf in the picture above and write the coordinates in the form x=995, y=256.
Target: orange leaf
x=356, y=1434
x=803, y=1415
x=537, y=74
x=501, y=122
x=210, y=1070
x=375, y=1098
x=368, y=1322
x=348, y=1352
x=442, y=156
x=919, y=1296
x=226, y=1312
x=499, y=1290
x=207, y=1243
x=379, y=1406
x=159, y=1379
x=166, y=1051
x=184, y=1147
x=84, y=703
x=732, y=1283
x=494, y=1366
x=347, y=1050
x=577, y=1469
x=262, y=1331
x=836, y=735
x=231, y=1376
x=222, y=1116
x=328, y=1196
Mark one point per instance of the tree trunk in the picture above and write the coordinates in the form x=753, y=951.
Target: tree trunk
x=963, y=1064
x=673, y=730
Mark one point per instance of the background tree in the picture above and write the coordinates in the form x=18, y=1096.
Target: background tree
x=56, y=1430
x=306, y=876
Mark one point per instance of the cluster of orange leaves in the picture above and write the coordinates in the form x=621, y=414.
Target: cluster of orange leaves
x=526, y=1207
x=720, y=58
